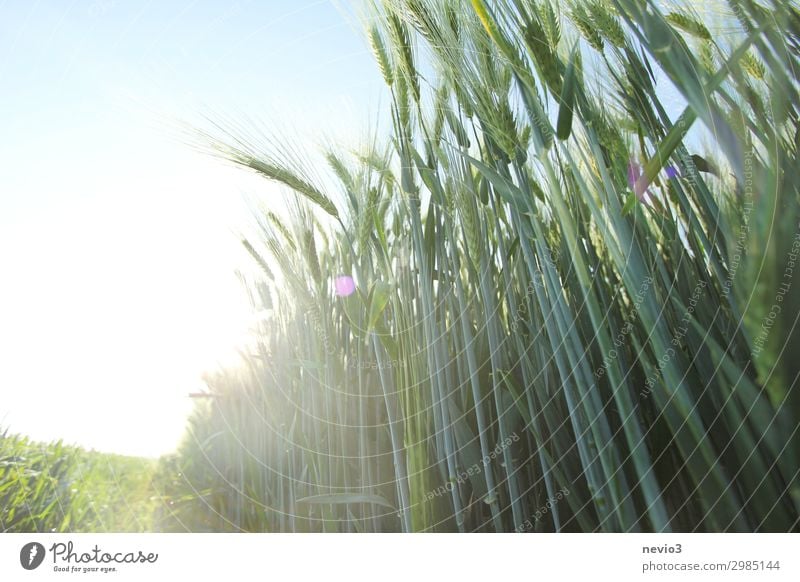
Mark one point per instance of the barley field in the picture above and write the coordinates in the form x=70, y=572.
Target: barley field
x=555, y=293
x=58, y=488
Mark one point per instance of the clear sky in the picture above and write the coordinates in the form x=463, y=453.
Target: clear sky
x=118, y=242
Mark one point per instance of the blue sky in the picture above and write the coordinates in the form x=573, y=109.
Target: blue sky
x=118, y=241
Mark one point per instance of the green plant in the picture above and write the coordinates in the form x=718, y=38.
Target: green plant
x=588, y=313
x=59, y=488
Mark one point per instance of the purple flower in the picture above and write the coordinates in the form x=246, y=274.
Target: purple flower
x=344, y=285
x=672, y=172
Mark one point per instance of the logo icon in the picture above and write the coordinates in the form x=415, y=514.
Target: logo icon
x=31, y=555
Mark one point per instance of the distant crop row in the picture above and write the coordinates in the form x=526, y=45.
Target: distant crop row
x=56, y=488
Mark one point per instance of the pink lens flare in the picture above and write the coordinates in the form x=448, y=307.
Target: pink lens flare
x=344, y=285
x=634, y=171
x=636, y=180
